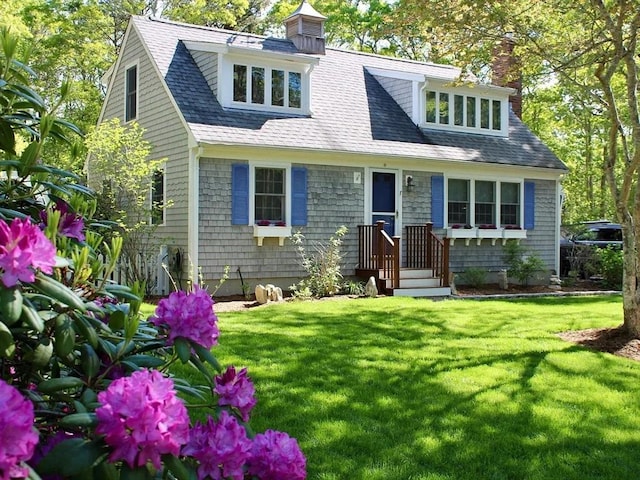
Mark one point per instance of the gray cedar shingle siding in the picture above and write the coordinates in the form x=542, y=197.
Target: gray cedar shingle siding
x=400, y=90
x=331, y=193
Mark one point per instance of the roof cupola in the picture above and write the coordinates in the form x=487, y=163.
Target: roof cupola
x=305, y=28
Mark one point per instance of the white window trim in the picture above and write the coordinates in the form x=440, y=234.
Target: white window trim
x=466, y=92
x=163, y=169
x=225, y=85
x=475, y=232
x=127, y=67
x=259, y=231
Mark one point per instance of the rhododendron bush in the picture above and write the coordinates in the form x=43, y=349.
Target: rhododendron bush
x=85, y=385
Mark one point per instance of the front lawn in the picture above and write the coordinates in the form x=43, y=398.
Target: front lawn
x=397, y=388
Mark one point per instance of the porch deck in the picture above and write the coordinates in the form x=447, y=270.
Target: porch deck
x=424, y=270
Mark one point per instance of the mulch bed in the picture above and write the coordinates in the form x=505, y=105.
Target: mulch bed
x=608, y=340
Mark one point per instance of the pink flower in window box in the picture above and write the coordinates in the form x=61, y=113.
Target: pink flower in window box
x=263, y=223
x=281, y=224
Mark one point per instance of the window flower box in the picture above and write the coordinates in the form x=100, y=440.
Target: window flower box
x=489, y=231
x=271, y=231
x=466, y=232
x=513, y=232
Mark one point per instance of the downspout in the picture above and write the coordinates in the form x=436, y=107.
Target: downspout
x=559, y=202
x=192, y=213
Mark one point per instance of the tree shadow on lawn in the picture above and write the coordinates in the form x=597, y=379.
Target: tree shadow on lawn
x=396, y=402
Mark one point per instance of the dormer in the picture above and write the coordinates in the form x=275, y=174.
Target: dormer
x=305, y=28
x=434, y=98
x=258, y=79
x=470, y=108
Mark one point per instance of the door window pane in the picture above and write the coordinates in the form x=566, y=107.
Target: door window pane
x=239, y=83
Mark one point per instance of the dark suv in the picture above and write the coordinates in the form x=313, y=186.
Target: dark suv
x=577, y=242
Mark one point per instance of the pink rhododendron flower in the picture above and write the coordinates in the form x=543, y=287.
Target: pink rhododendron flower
x=24, y=248
x=71, y=224
x=275, y=456
x=221, y=448
x=141, y=418
x=188, y=315
x=18, y=438
x=236, y=391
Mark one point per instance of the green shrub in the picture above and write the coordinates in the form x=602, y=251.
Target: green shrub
x=611, y=267
x=352, y=287
x=522, y=264
x=323, y=266
x=474, y=277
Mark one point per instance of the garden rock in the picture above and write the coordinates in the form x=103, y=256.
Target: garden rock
x=268, y=293
x=503, y=280
x=370, y=289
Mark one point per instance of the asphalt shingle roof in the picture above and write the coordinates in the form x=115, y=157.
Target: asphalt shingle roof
x=352, y=112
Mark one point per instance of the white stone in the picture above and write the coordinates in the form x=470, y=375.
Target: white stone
x=370, y=289
x=262, y=295
x=276, y=294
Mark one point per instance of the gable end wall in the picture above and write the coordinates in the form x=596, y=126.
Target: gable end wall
x=163, y=129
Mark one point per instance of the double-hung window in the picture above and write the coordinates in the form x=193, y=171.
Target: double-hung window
x=509, y=204
x=458, y=202
x=270, y=195
x=485, y=205
x=157, y=198
x=131, y=93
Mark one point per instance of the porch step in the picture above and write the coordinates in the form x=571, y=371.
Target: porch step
x=418, y=283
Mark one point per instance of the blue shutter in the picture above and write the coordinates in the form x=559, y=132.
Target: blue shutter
x=240, y=194
x=298, y=196
x=437, y=201
x=529, y=205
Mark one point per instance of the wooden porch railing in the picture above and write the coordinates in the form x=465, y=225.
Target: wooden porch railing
x=424, y=249
x=378, y=251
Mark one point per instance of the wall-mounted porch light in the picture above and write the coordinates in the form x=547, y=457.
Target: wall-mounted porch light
x=409, y=183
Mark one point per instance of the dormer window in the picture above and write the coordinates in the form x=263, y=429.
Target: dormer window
x=457, y=111
x=267, y=86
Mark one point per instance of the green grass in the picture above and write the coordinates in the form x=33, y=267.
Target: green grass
x=397, y=388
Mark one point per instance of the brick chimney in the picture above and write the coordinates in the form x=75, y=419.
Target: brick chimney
x=305, y=28
x=506, y=71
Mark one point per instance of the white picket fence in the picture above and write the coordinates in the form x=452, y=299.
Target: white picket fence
x=158, y=279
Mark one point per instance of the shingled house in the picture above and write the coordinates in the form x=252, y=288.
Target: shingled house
x=267, y=136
